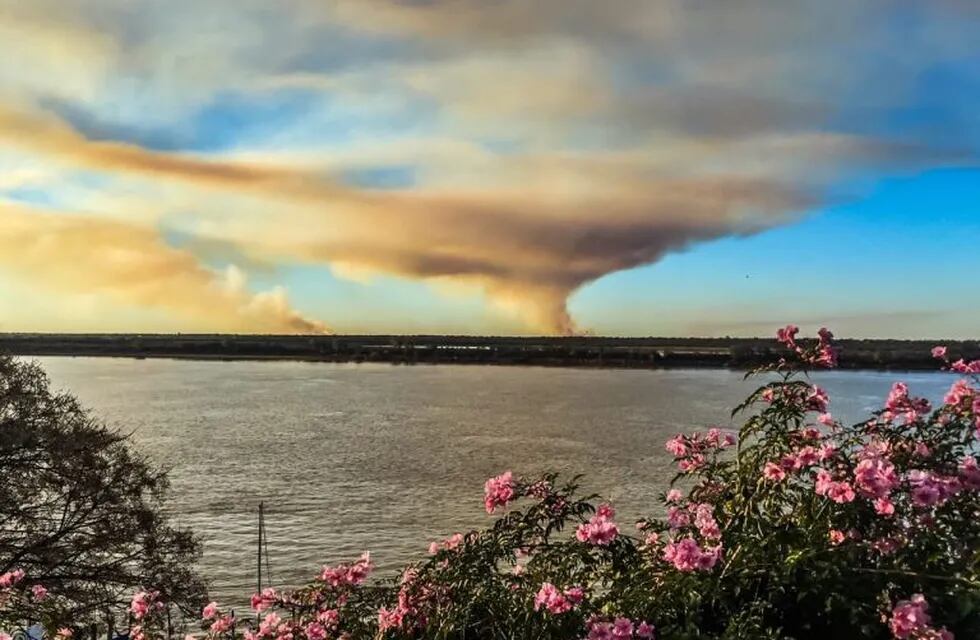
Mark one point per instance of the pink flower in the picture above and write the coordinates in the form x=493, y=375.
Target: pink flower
x=389, y=619
x=222, y=624
x=39, y=592
x=827, y=451
x=674, y=495
x=645, y=631
x=450, y=543
x=268, y=625
x=875, y=477
x=910, y=619
x=557, y=602
x=600, y=631
x=826, y=419
x=939, y=353
x=704, y=520
x=823, y=482
x=840, y=492
x=693, y=463
x=836, y=537
x=817, y=400
x=498, y=491
x=886, y=546
x=264, y=600
x=773, y=472
x=141, y=603
x=806, y=457
x=929, y=489
x=969, y=472
x=787, y=335
x=884, y=507
x=687, y=556
x=210, y=611
x=575, y=595
x=959, y=392
x=827, y=353
x=343, y=574
x=719, y=438
x=899, y=403
x=605, y=511
x=676, y=446
x=678, y=517
x=960, y=366
x=316, y=631
x=622, y=628
x=11, y=578
x=599, y=530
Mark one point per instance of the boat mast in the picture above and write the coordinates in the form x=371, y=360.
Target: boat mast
x=259, y=552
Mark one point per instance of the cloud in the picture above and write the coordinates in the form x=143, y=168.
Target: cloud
x=527, y=245
x=126, y=263
x=521, y=149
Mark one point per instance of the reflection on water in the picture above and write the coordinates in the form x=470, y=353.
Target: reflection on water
x=355, y=457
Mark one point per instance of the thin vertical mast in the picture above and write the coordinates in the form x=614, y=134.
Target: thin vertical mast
x=259, y=553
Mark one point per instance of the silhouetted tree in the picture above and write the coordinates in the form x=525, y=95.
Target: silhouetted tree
x=80, y=512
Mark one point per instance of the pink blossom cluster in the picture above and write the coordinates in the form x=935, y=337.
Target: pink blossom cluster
x=690, y=450
x=144, y=603
x=618, y=629
x=969, y=472
x=812, y=398
x=838, y=491
x=408, y=611
x=817, y=400
x=963, y=398
x=823, y=355
x=264, y=600
x=600, y=529
x=910, y=619
x=13, y=587
x=348, y=575
x=929, y=489
x=900, y=404
x=798, y=460
x=11, y=578
x=449, y=544
x=960, y=394
x=556, y=601
x=498, y=491
x=8, y=581
x=960, y=366
x=875, y=478
x=143, y=607
x=700, y=514
x=687, y=555
x=222, y=624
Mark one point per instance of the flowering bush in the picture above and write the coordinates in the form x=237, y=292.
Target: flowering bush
x=795, y=527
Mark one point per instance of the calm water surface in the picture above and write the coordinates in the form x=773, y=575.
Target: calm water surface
x=384, y=458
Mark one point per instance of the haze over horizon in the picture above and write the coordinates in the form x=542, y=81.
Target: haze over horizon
x=630, y=167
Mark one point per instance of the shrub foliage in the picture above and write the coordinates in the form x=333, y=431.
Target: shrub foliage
x=795, y=526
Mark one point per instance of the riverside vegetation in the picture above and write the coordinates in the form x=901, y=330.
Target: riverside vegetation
x=793, y=526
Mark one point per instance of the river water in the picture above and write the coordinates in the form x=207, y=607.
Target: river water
x=386, y=458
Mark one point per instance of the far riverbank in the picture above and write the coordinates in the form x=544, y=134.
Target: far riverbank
x=590, y=352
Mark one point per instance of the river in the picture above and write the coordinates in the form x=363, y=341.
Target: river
x=386, y=458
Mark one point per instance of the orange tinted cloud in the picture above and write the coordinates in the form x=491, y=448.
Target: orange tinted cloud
x=133, y=265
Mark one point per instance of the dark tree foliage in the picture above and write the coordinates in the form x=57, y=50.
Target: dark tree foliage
x=80, y=511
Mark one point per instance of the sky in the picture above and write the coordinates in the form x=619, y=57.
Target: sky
x=528, y=167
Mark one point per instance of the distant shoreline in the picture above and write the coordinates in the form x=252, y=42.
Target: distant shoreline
x=577, y=352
